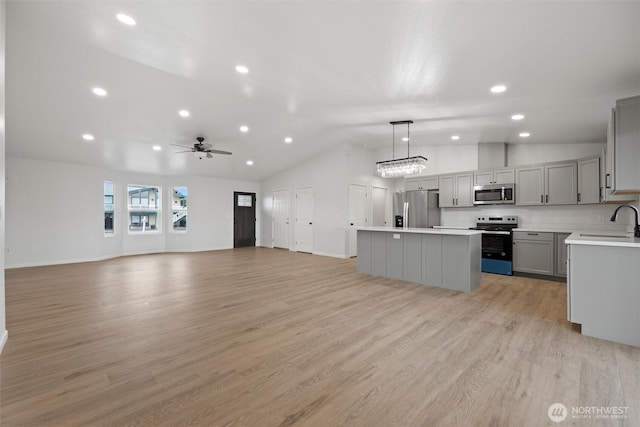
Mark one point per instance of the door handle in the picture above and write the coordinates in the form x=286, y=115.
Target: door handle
x=578, y=196
x=547, y=199
x=541, y=198
x=606, y=181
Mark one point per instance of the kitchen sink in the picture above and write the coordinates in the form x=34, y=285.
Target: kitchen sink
x=608, y=236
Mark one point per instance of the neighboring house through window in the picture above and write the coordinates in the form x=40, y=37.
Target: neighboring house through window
x=144, y=208
x=179, y=208
x=108, y=207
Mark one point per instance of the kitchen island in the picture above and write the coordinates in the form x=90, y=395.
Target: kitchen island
x=444, y=258
x=603, y=286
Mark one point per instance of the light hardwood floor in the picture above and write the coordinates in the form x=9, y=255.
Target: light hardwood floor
x=263, y=337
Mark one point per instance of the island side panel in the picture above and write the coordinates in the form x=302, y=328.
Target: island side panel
x=461, y=263
x=432, y=259
x=379, y=253
x=365, y=252
x=395, y=255
x=413, y=257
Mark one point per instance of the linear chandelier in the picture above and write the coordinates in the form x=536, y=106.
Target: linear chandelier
x=401, y=167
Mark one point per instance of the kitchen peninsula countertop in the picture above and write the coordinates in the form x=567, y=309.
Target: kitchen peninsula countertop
x=603, y=238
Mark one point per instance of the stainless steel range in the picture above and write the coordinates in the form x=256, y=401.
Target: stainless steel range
x=497, y=243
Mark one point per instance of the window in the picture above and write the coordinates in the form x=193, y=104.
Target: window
x=179, y=208
x=144, y=208
x=108, y=207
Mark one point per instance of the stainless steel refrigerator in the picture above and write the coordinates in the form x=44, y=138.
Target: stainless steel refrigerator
x=416, y=209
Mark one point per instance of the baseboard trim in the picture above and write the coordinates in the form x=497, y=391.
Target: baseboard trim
x=330, y=255
x=3, y=340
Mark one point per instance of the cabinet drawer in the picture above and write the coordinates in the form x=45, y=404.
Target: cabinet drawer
x=532, y=235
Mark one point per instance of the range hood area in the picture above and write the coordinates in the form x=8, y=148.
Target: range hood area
x=492, y=155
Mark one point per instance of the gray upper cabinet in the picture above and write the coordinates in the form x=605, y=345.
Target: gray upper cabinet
x=530, y=186
x=456, y=190
x=561, y=184
x=499, y=176
x=554, y=184
x=589, y=181
x=623, y=147
x=422, y=183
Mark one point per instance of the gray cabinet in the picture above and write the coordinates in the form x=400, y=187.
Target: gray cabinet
x=553, y=184
x=423, y=183
x=533, y=252
x=589, y=181
x=606, y=195
x=435, y=259
x=603, y=293
x=561, y=254
x=498, y=176
x=623, y=147
x=456, y=190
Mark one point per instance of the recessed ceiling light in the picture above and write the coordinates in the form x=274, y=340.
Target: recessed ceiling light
x=99, y=91
x=88, y=137
x=498, y=89
x=125, y=19
x=455, y=137
x=242, y=69
x=157, y=148
x=288, y=140
x=249, y=162
x=184, y=113
x=524, y=134
x=244, y=128
x=517, y=117
x=405, y=139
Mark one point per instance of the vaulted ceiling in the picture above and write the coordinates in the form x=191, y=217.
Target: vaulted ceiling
x=320, y=72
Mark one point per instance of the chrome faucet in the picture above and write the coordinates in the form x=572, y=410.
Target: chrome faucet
x=636, y=229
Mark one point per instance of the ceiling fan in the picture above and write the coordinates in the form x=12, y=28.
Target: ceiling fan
x=202, y=149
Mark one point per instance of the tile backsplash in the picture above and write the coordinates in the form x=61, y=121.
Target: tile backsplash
x=568, y=218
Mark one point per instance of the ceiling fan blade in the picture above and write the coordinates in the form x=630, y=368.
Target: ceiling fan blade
x=209, y=155
x=186, y=151
x=218, y=152
x=183, y=146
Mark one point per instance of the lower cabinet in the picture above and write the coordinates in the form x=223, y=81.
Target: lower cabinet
x=533, y=252
x=561, y=254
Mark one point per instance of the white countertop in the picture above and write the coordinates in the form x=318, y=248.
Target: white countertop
x=441, y=231
x=603, y=238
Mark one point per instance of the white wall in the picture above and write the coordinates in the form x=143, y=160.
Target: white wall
x=3, y=325
x=330, y=175
x=55, y=212
x=527, y=154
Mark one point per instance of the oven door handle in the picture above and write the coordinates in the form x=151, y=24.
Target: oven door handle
x=502, y=233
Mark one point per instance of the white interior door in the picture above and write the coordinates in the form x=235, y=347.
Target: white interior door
x=304, y=219
x=281, y=219
x=357, y=214
x=379, y=196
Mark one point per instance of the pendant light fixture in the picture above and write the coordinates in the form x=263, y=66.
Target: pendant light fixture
x=401, y=167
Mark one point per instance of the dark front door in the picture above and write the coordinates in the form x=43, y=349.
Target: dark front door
x=244, y=219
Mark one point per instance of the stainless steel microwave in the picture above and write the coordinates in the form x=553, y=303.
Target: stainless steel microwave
x=494, y=194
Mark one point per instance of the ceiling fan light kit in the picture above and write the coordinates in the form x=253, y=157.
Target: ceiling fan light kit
x=396, y=168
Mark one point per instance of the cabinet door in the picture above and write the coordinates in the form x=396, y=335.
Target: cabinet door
x=627, y=145
x=533, y=256
x=412, y=184
x=561, y=184
x=589, y=181
x=561, y=254
x=483, y=178
x=610, y=176
x=447, y=191
x=430, y=183
x=464, y=190
x=530, y=186
x=504, y=176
